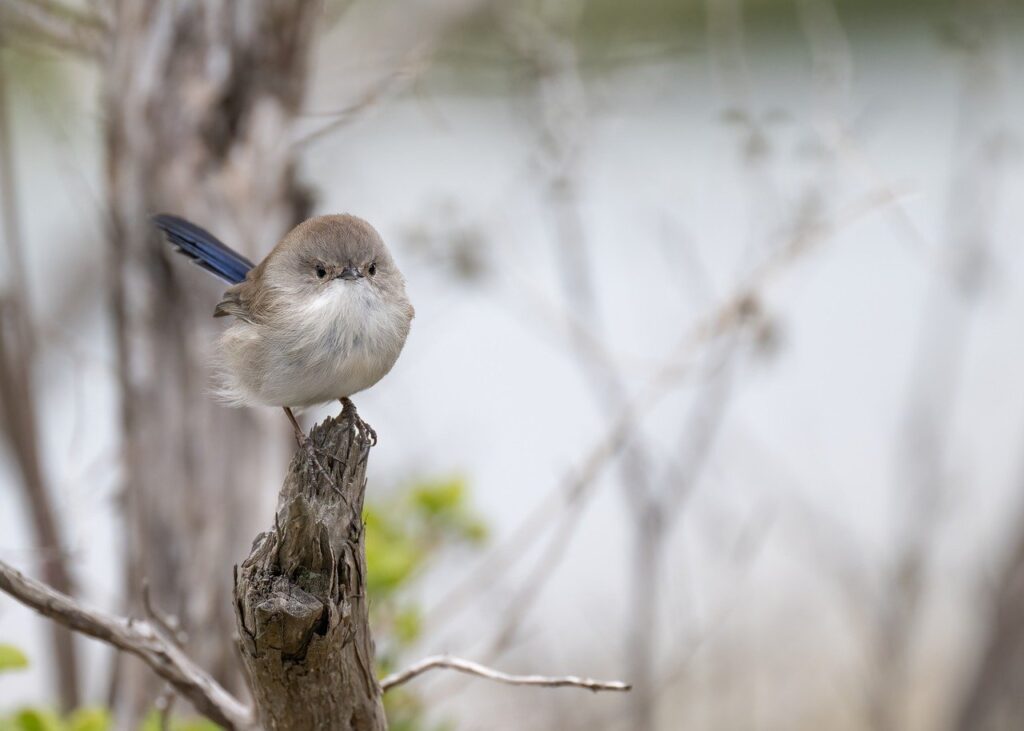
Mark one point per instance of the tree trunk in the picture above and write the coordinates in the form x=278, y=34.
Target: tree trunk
x=199, y=101
x=300, y=596
x=18, y=409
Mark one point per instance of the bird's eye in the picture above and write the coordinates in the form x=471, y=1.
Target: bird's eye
x=373, y=269
x=320, y=271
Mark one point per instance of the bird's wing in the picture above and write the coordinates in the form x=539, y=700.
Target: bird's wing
x=236, y=302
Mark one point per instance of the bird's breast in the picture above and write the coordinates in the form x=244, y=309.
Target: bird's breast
x=331, y=345
x=345, y=321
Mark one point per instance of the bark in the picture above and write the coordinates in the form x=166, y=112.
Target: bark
x=300, y=596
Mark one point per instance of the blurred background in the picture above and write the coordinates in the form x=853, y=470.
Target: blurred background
x=714, y=384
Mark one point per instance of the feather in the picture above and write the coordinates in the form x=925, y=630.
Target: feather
x=234, y=302
x=203, y=248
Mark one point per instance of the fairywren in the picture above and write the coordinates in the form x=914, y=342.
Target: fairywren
x=322, y=317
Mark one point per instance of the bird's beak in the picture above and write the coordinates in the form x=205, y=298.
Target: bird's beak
x=350, y=273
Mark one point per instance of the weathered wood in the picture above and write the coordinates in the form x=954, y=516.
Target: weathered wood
x=300, y=596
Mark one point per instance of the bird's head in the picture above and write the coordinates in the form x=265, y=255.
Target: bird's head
x=339, y=255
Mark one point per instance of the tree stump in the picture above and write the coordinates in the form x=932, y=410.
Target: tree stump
x=300, y=596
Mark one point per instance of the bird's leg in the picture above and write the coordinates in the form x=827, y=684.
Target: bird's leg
x=306, y=443
x=347, y=405
x=300, y=436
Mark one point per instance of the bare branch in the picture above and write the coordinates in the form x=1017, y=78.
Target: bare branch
x=569, y=496
x=55, y=25
x=578, y=484
x=166, y=622
x=386, y=48
x=138, y=637
x=472, y=668
x=367, y=99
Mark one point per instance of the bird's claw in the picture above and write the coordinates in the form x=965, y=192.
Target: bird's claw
x=357, y=421
x=306, y=444
x=367, y=429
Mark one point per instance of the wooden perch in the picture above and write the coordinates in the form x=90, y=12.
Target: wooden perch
x=301, y=595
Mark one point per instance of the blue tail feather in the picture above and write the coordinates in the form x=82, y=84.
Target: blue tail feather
x=203, y=248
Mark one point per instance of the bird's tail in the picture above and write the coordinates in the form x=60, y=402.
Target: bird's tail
x=203, y=248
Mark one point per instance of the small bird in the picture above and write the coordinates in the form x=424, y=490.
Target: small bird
x=323, y=316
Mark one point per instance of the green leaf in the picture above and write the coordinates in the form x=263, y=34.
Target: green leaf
x=89, y=719
x=11, y=658
x=197, y=724
x=408, y=624
x=440, y=496
x=390, y=560
x=36, y=719
x=152, y=723
x=470, y=528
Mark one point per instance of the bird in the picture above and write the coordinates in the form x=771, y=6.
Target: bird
x=323, y=316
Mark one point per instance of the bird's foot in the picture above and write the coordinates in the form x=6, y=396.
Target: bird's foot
x=305, y=443
x=347, y=407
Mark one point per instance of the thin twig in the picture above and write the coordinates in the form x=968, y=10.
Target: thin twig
x=139, y=637
x=407, y=42
x=570, y=492
x=938, y=377
x=56, y=25
x=164, y=704
x=167, y=622
x=718, y=322
x=472, y=668
x=368, y=99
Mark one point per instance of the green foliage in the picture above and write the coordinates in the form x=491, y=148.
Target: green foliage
x=405, y=713
x=405, y=535
x=32, y=719
x=407, y=531
x=408, y=624
x=91, y=719
x=41, y=719
x=11, y=658
x=152, y=723
x=444, y=502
